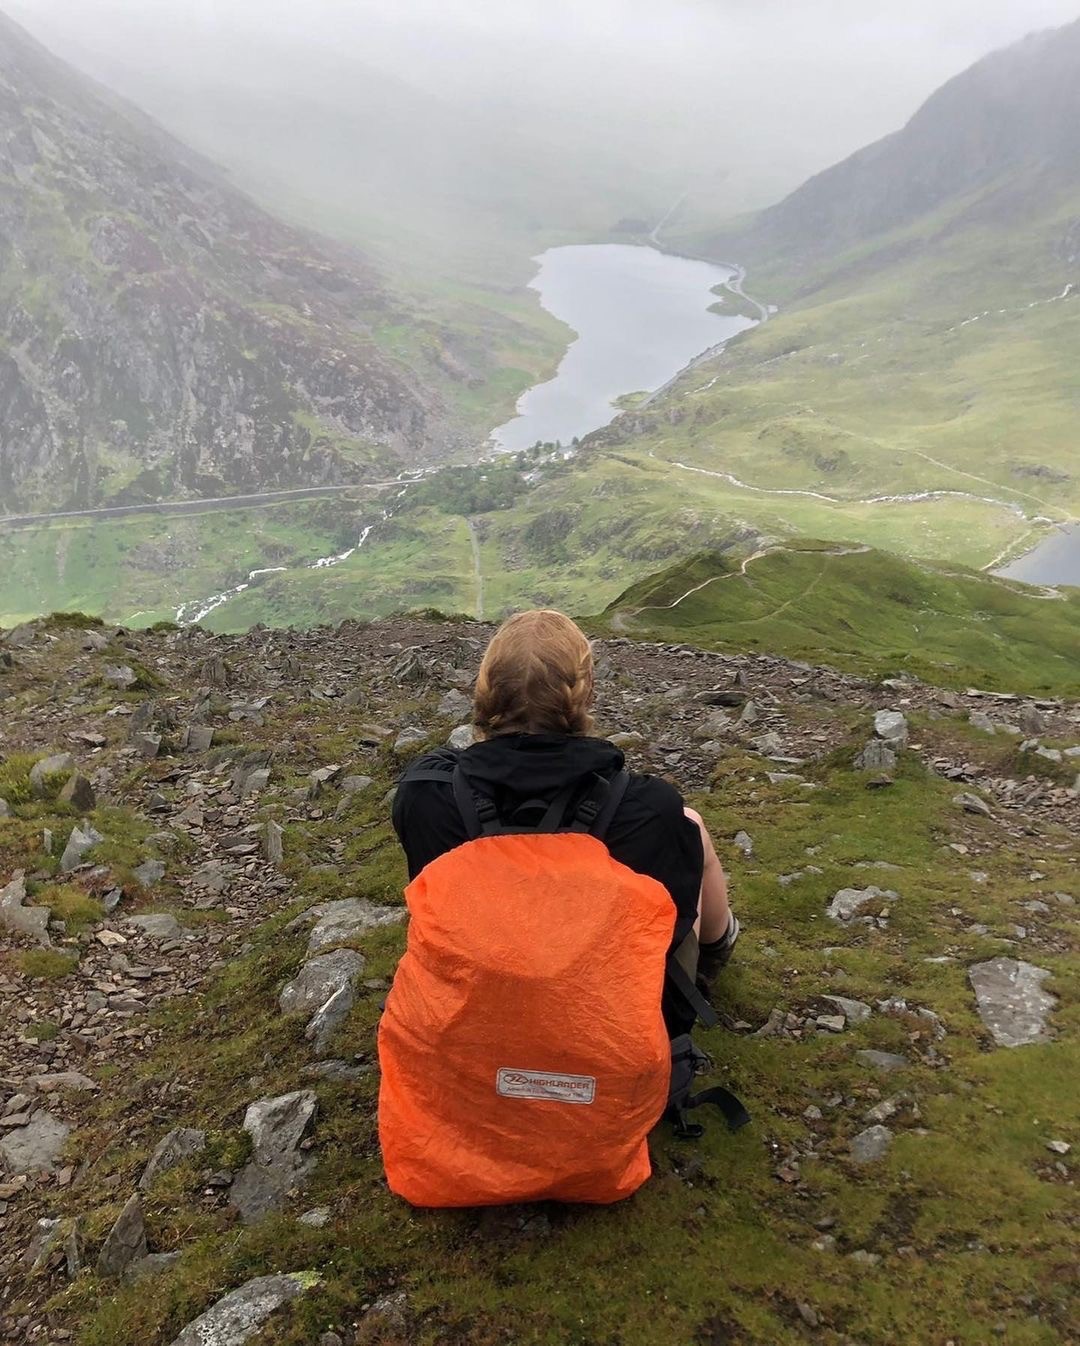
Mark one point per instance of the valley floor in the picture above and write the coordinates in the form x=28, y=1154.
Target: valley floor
x=925, y=1195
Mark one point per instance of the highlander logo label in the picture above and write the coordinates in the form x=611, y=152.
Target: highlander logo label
x=544, y=1084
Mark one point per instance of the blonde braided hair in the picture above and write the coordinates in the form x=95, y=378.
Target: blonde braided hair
x=536, y=677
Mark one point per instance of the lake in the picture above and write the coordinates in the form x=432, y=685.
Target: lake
x=640, y=316
x=1056, y=560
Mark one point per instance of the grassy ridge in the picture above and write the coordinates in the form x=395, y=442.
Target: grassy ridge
x=866, y=611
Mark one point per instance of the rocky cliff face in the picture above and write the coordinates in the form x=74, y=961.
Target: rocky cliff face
x=160, y=335
x=1004, y=132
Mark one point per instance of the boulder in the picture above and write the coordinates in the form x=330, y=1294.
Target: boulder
x=410, y=737
x=849, y=902
x=23, y=920
x=319, y=779
x=48, y=766
x=881, y=1060
x=973, y=804
x=876, y=756
x=1011, y=1001
x=978, y=719
x=239, y=1315
x=35, y=1147
x=159, y=926
x=744, y=843
x=125, y=1242
x=872, y=1144
x=150, y=872
x=455, y=705
x=714, y=725
x=82, y=839
x=94, y=642
x=121, y=677
x=199, y=738
x=328, y=1018
x=1030, y=721
x=182, y=1143
x=464, y=736
x=319, y=979
x=854, y=1011
x=338, y=922
x=892, y=726
x=147, y=744
x=272, y=843
x=79, y=793
x=277, y=1166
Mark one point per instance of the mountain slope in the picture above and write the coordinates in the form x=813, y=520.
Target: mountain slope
x=160, y=335
x=1001, y=133
x=906, y=1179
x=865, y=611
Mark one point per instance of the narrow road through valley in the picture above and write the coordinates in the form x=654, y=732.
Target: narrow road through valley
x=199, y=506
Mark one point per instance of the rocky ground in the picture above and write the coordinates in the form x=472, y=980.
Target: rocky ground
x=200, y=910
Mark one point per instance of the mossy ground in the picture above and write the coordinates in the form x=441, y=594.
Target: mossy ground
x=973, y=1223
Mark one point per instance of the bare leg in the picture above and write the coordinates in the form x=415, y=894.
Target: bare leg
x=714, y=911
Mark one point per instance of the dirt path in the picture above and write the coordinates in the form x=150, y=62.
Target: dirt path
x=478, y=574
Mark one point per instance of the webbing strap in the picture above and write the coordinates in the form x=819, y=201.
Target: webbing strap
x=682, y=981
x=732, y=1109
x=466, y=802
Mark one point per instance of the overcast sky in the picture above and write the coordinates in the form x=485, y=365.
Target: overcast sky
x=801, y=82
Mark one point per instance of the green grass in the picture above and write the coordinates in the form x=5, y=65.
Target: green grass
x=46, y=964
x=867, y=612
x=965, y=1213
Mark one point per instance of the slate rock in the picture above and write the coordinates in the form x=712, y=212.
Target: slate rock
x=714, y=725
x=150, y=872
x=854, y=1011
x=352, y=785
x=237, y=1316
x=871, y=1145
x=337, y=922
x=277, y=1166
x=876, y=756
x=319, y=979
x=48, y=766
x=892, y=726
x=1011, y=1001
x=173, y=1148
x=323, y=776
x=973, y=804
x=272, y=843
x=744, y=843
x=147, y=745
x=82, y=839
x=978, y=719
x=455, y=705
x=881, y=1060
x=849, y=902
x=79, y=793
x=464, y=736
x=125, y=1242
x=153, y=1264
x=94, y=642
x=5, y=809
x=328, y=1018
x=23, y=920
x=199, y=738
x=1030, y=721
x=122, y=677
x=35, y=1147
x=409, y=737
x=160, y=926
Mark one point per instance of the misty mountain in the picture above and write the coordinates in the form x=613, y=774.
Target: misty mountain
x=997, y=138
x=160, y=334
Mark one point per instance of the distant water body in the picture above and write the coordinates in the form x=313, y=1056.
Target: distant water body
x=1056, y=560
x=640, y=316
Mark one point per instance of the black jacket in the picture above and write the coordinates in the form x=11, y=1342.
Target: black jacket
x=650, y=833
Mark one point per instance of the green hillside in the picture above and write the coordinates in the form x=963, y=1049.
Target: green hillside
x=865, y=611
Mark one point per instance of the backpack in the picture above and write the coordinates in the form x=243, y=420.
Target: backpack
x=523, y=1052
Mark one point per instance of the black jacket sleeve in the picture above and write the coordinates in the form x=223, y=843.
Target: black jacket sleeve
x=425, y=817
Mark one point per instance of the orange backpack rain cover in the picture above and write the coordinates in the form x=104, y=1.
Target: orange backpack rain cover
x=523, y=1052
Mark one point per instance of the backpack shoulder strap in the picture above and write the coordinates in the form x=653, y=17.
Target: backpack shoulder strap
x=596, y=808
